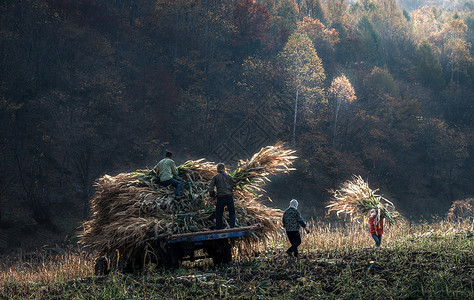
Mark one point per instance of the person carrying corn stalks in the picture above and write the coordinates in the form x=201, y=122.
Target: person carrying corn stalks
x=167, y=172
x=376, y=227
x=292, y=221
x=225, y=185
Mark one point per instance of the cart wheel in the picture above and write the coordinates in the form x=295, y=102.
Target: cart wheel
x=226, y=253
x=171, y=257
x=123, y=266
x=174, y=260
x=221, y=253
x=101, y=266
x=216, y=257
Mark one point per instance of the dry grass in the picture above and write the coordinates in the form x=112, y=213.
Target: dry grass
x=327, y=248
x=347, y=236
x=46, y=269
x=339, y=237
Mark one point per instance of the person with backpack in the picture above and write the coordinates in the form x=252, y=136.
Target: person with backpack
x=291, y=222
x=225, y=185
x=376, y=227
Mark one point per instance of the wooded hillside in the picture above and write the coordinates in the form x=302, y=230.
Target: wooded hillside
x=371, y=88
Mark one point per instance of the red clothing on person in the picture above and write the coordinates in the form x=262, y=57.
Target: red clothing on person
x=379, y=229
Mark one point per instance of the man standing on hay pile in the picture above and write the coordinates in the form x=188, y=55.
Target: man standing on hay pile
x=167, y=172
x=225, y=185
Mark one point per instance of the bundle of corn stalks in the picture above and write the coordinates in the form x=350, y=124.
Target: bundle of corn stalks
x=254, y=173
x=356, y=199
x=461, y=210
x=130, y=209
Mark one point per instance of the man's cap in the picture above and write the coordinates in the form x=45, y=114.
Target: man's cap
x=220, y=167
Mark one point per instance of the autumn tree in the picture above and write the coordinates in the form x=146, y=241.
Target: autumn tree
x=456, y=48
x=323, y=38
x=317, y=32
x=305, y=71
x=389, y=20
x=342, y=92
x=252, y=22
x=424, y=24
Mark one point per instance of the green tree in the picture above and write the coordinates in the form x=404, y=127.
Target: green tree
x=377, y=85
x=370, y=48
x=428, y=67
x=313, y=9
x=318, y=33
x=287, y=13
x=305, y=71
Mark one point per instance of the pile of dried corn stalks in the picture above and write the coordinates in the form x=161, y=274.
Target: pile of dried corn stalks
x=356, y=199
x=131, y=208
x=461, y=210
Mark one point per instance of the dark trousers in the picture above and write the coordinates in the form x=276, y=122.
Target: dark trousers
x=377, y=239
x=295, y=240
x=223, y=201
x=178, y=186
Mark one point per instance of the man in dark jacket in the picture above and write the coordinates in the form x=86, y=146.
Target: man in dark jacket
x=225, y=186
x=292, y=221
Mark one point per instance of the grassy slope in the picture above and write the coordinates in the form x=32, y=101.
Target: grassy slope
x=333, y=265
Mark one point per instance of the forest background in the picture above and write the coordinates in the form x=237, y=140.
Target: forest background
x=377, y=88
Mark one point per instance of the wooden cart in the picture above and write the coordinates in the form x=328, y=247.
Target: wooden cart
x=170, y=250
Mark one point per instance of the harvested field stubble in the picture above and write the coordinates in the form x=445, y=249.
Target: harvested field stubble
x=410, y=265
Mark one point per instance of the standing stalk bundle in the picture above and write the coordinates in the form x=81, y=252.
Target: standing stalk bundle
x=355, y=198
x=254, y=173
x=130, y=209
x=461, y=210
